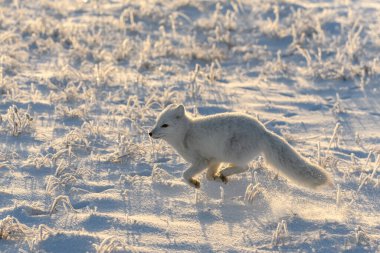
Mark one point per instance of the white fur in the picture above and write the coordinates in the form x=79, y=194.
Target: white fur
x=235, y=139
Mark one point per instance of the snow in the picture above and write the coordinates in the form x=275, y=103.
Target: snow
x=82, y=82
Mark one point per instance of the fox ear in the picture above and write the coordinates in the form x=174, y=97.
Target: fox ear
x=180, y=111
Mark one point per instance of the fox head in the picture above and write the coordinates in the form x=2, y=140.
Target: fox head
x=170, y=124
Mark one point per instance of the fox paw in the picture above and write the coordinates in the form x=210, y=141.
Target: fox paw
x=221, y=177
x=195, y=183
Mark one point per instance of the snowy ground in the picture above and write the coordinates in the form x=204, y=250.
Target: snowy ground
x=81, y=83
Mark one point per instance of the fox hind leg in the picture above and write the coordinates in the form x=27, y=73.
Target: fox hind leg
x=231, y=169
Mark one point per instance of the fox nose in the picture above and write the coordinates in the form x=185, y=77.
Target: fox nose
x=150, y=134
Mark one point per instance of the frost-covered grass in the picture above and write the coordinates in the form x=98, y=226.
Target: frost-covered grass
x=81, y=83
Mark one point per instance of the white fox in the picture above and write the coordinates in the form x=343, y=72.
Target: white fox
x=233, y=138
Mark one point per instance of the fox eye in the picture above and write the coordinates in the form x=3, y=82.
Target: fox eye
x=165, y=125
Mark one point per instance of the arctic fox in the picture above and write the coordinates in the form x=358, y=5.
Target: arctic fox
x=234, y=139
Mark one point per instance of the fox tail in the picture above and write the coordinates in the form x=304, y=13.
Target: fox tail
x=280, y=155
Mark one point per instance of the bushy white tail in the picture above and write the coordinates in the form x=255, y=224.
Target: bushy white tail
x=281, y=156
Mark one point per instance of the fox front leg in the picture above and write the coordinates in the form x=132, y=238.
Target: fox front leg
x=212, y=170
x=191, y=172
x=213, y=174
